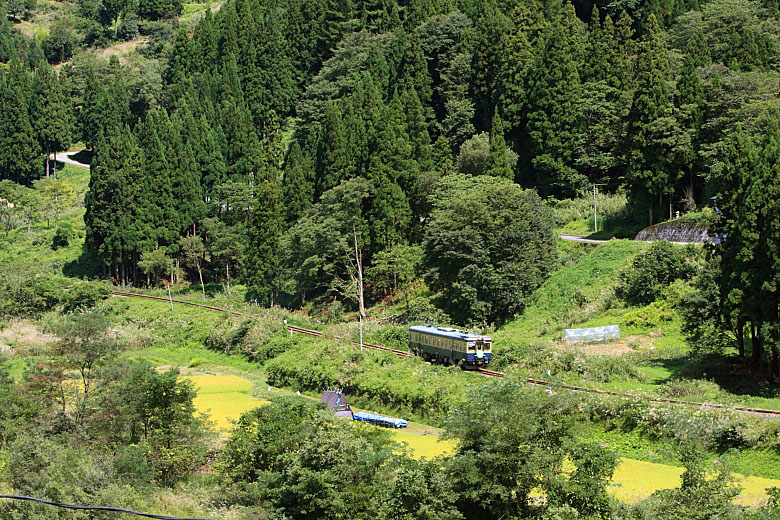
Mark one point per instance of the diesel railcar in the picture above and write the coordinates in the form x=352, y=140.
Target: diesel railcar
x=450, y=346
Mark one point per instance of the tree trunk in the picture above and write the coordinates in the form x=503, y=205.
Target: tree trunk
x=755, y=333
x=227, y=273
x=200, y=275
x=650, y=210
x=54, y=165
x=741, y=339
x=47, y=161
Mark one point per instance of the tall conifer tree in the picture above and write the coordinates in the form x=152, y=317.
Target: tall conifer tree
x=651, y=99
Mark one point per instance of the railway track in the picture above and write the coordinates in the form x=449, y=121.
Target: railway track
x=181, y=302
x=370, y=346
x=482, y=371
x=541, y=382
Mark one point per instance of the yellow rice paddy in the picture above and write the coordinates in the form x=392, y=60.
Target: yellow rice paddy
x=224, y=398
x=633, y=480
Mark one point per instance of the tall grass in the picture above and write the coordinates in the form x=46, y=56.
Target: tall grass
x=611, y=210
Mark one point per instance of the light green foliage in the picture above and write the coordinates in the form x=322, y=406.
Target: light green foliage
x=56, y=195
x=572, y=293
x=404, y=386
x=83, y=296
x=699, y=498
x=503, y=456
x=474, y=155
x=156, y=264
x=87, y=342
x=27, y=294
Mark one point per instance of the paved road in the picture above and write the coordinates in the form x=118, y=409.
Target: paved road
x=594, y=241
x=65, y=158
x=581, y=239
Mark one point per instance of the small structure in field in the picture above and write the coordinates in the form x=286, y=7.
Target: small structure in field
x=592, y=335
x=337, y=401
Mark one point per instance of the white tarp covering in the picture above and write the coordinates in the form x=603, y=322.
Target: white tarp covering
x=591, y=335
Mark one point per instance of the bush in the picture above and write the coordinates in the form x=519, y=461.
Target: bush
x=611, y=208
x=64, y=234
x=28, y=296
x=84, y=295
x=649, y=316
x=651, y=272
x=270, y=348
x=128, y=27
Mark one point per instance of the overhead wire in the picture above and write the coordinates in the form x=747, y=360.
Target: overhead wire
x=98, y=508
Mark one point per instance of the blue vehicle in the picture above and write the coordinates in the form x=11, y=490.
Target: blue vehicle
x=379, y=420
x=450, y=346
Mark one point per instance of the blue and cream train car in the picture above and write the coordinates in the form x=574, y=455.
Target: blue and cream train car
x=450, y=346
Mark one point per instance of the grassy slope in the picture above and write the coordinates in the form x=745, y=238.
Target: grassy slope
x=572, y=295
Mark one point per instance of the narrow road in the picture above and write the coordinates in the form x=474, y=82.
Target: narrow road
x=581, y=239
x=64, y=157
x=573, y=238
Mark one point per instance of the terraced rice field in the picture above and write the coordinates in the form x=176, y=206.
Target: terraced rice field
x=633, y=480
x=224, y=398
x=427, y=446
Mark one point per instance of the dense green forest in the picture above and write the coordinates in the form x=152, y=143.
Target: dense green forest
x=312, y=150
x=320, y=160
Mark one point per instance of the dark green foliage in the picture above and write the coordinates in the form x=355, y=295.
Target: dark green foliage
x=487, y=247
x=156, y=9
x=553, y=114
x=321, y=246
x=61, y=41
x=307, y=463
x=297, y=187
x=22, y=153
x=500, y=161
x=748, y=265
x=54, y=126
x=651, y=271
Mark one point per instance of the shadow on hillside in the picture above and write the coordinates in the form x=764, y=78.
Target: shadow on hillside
x=732, y=374
x=84, y=157
x=86, y=266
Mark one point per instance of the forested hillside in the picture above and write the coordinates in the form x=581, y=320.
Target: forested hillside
x=401, y=161
x=224, y=154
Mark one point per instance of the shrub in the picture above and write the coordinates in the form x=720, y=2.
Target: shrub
x=271, y=348
x=649, y=316
x=84, y=295
x=651, y=272
x=28, y=296
x=64, y=234
x=128, y=27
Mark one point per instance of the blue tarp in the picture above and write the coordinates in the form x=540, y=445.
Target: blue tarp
x=592, y=334
x=381, y=420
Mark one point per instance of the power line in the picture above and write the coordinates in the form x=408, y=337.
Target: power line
x=98, y=508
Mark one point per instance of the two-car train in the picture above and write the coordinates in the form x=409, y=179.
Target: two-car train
x=450, y=346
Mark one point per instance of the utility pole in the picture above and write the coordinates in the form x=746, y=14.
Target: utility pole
x=359, y=269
